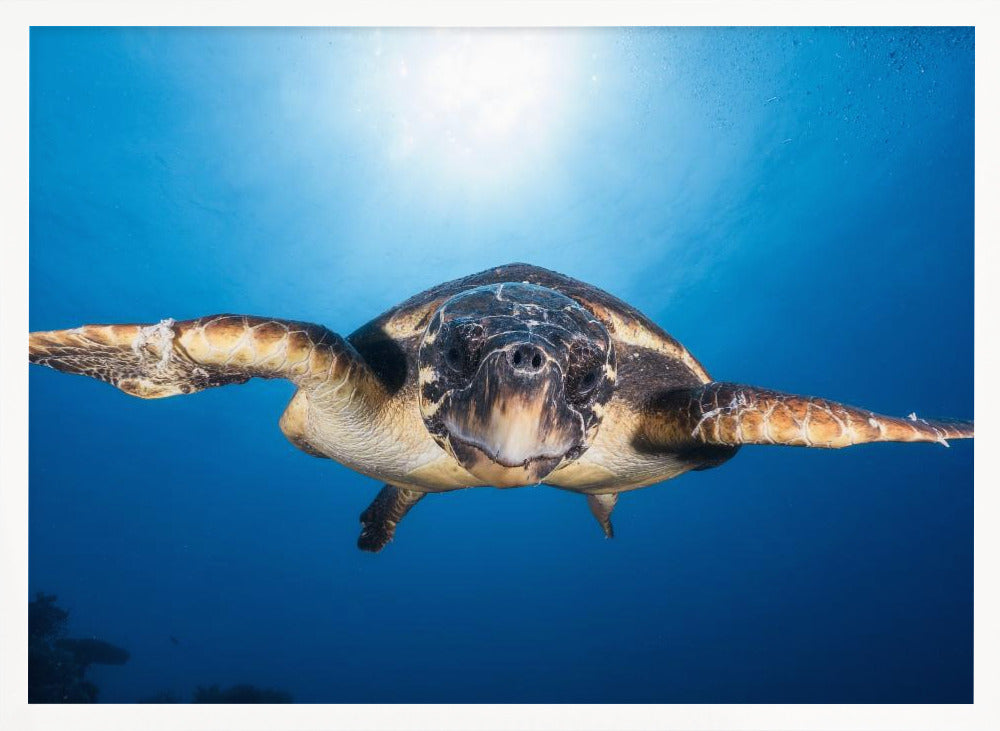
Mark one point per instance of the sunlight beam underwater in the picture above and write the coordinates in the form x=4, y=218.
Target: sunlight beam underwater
x=478, y=103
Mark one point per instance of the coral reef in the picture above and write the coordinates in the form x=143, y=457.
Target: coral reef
x=56, y=664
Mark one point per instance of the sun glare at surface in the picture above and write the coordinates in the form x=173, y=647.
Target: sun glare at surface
x=472, y=101
x=484, y=87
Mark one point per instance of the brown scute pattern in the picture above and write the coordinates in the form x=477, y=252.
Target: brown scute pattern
x=410, y=316
x=172, y=358
x=733, y=414
x=379, y=520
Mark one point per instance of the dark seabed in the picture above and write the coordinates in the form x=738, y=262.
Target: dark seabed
x=794, y=205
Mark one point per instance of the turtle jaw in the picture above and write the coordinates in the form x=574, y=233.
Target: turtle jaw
x=493, y=471
x=510, y=427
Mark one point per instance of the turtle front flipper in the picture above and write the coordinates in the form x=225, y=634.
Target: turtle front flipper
x=171, y=358
x=732, y=414
x=379, y=520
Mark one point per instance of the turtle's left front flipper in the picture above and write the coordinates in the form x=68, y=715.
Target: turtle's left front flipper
x=732, y=414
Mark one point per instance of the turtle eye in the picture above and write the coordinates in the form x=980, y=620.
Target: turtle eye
x=454, y=355
x=583, y=381
x=461, y=351
x=589, y=380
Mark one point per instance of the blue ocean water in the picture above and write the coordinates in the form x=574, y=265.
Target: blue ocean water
x=794, y=205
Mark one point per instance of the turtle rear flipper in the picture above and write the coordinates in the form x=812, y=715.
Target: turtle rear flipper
x=601, y=506
x=379, y=520
x=733, y=414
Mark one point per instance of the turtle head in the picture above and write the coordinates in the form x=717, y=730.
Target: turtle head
x=513, y=380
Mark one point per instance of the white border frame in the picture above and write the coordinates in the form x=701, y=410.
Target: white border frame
x=15, y=19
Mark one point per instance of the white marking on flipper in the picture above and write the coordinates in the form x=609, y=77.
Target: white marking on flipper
x=804, y=424
x=937, y=432
x=160, y=336
x=877, y=423
x=840, y=423
x=767, y=423
x=707, y=415
x=739, y=400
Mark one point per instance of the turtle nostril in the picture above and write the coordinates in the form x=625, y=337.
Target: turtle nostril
x=526, y=358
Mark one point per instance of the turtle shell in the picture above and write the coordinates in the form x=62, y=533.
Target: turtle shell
x=647, y=355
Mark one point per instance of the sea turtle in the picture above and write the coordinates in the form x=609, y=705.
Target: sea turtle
x=514, y=376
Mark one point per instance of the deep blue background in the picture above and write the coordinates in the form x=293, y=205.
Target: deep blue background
x=796, y=206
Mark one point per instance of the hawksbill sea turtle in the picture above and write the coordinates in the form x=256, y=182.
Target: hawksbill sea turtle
x=514, y=376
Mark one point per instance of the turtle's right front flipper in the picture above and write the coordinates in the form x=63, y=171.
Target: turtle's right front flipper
x=379, y=520
x=171, y=358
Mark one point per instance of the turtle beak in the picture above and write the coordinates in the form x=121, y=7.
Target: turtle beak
x=512, y=425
